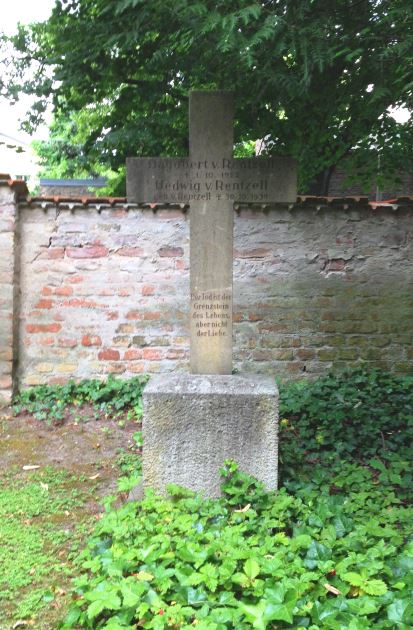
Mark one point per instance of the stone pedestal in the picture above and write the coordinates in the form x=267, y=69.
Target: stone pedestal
x=193, y=423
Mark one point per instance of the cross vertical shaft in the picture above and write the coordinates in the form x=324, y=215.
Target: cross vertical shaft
x=211, y=237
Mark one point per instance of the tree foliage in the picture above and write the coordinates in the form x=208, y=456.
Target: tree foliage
x=315, y=78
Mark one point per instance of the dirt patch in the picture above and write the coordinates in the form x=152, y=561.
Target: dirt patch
x=90, y=447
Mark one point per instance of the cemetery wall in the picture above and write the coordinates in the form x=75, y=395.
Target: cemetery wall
x=104, y=288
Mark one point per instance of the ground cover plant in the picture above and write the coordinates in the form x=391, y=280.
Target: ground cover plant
x=38, y=510
x=332, y=549
x=92, y=398
x=56, y=464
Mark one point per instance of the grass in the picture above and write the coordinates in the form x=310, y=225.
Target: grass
x=43, y=516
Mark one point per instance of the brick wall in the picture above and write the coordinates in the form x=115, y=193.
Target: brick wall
x=9, y=285
x=104, y=289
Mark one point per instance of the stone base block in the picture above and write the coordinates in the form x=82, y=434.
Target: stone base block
x=193, y=423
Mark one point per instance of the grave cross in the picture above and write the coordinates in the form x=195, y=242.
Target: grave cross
x=211, y=180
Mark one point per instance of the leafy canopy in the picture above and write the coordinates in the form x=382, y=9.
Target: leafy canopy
x=315, y=78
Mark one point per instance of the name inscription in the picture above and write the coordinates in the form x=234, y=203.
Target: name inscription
x=211, y=313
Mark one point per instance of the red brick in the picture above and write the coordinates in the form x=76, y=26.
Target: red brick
x=91, y=340
x=44, y=304
x=255, y=317
x=111, y=315
x=132, y=354
x=148, y=289
x=132, y=252
x=47, y=291
x=90, y=251
x=43, y=328
x=67, y=343
x=65, y=291
x=170, y=252
x=109, y=355
x=152, y=354
x=152, y=315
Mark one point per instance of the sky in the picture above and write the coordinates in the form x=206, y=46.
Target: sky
x=12, y=12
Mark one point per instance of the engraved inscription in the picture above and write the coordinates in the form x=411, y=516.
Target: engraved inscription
x=211, y=313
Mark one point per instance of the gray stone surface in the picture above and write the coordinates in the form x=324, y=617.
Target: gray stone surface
x=211, y=239
x=211, y=180
x=193, y=423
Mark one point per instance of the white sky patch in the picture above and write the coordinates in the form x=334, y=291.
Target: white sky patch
x=400, y=114
x=12, y=12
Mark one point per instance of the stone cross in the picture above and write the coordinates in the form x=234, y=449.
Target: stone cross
x=210, y=180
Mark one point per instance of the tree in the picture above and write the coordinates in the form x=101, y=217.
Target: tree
x=315, y=78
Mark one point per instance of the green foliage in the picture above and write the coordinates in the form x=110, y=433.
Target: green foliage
x=50, y=402
x=314, y=78
x=356, y=413
x=271, y=560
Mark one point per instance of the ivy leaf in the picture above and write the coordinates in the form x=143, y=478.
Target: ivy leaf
x=316, y=553
x=401, y=611
x=254, y=614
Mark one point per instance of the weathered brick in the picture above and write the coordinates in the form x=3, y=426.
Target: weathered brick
x=152, y=354
x=5, y=382
x=47, y=341
x=131, y=252
x=121, y=340
x=134, y=315
x=148, y=289
x=256, y=252
x=67, y=368
x=136, y=368
x=90, y=251
x=91, y=340
x=53, y=253
x=151, y=315
x=63, y=291
x=44, y=304
x=170, y=252
x=45, y=367
x=133, y=354
x=67, y=342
